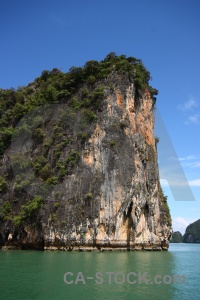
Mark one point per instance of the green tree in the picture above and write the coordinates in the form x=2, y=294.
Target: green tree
x=3, y=185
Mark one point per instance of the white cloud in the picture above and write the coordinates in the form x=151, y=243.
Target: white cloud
x=195, y=182
x=193, y=164
x=180, y=224
x=189, y=157
x=191, y=161
x=178, y=182
x=193, y=119
x=188, y=105
x=196, y=164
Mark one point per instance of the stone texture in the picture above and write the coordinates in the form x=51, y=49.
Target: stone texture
x=112, y=198
x=119, y=169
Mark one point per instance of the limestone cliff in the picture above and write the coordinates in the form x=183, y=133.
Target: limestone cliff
x=192, y=233
x=176, y=237
x=109, y=194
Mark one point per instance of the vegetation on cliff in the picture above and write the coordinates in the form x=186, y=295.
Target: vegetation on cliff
x=57, y=87
x=176, y=237
x=57, y=144
x=82, y=90
x=192, y=233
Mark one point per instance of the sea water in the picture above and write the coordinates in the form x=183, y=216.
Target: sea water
x=173, y=274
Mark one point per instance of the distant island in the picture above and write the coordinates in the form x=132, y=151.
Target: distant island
x=176, y=237
x=192, y=234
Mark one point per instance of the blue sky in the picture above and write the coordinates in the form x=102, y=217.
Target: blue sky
x=40, y=35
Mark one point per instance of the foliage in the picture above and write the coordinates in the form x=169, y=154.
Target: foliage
x=6, y=210
x=57, y=87
x=3, y=185
x=19, y=162
x=112, y=143
x=56, y=145
x=45, y=172
x=176, y=237
x=38, y=135
x=56, y=204
x=58, y=195
x=157, y=139
x=39, y=163
x=192, y=233
x=23, y=181
x=89, y=115
x=165, y=206
x=28, y=210
x=52, y=180
x=73, y=158
x=89, y=196
x=82, y=136
x=5, y=137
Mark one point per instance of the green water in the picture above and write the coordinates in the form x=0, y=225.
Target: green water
x=27, y=275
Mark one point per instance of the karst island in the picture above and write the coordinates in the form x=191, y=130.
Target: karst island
x=78, y=161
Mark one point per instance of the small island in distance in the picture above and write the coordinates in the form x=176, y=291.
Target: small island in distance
x=192, y=234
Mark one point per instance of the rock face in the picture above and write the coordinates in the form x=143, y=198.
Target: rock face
x=111, y=198
x=176, y=237
x=192, y=233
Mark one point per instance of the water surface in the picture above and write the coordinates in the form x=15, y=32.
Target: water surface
x=27, y=275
